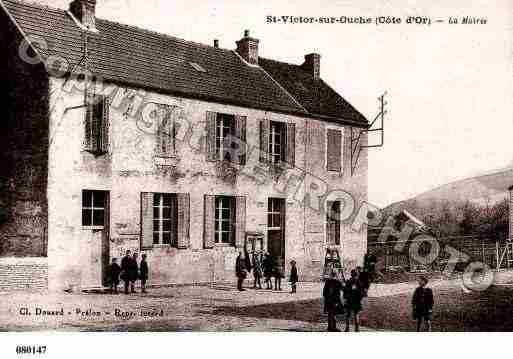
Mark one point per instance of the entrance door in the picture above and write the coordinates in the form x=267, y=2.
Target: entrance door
x=95, y=240
x=276, y=228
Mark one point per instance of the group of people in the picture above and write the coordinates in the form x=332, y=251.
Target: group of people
x=264, y=266
x=353, y=291
x=356, y=288
x=130, y=272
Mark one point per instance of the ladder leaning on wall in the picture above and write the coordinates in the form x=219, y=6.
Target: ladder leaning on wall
x=506, y=255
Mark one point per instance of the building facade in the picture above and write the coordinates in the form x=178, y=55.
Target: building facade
x=121, y=138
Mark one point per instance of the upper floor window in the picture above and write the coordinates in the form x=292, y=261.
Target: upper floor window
x=96, y=134
x=166, y=146
x=224, y=128
x=334, y=149
x=226, y=137
x=277, y=136
x=277, y=142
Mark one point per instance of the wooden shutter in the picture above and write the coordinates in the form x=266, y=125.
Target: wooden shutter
x=146, y=220
x=211, y=136
x=290, y=155
x=240, y=221
x=240, y=133
x=88, y=121
x=264, y=140
x=209, y=221
x=183, y=220
x=105, y=125
x=333, y=150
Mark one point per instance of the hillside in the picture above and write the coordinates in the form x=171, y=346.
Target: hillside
x=484, y=189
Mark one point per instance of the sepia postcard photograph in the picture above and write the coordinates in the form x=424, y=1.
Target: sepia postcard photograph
x=196, y=168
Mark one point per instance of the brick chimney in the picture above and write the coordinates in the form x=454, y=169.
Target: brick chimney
x=85, y=12
x=312, y=65
x=247, y=48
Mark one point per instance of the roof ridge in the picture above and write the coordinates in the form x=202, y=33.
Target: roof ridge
x=278, y=61
x=162, y=34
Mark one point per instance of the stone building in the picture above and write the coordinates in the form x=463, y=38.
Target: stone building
x=120, y=138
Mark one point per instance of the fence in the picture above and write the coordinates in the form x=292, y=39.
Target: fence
x=399, y=255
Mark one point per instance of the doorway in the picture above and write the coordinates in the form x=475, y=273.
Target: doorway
x=95, y=244
x=276, y=228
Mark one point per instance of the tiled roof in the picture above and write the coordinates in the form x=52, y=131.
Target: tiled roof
x=146, y=59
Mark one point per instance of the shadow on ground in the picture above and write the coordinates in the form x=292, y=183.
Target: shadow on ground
x=455, y=310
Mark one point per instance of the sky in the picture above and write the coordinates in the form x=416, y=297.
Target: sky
x=450, y=88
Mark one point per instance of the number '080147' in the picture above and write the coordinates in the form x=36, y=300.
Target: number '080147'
x=30, y=349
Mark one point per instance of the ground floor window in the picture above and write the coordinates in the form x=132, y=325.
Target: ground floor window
x=224, y=219
x=93, y=208
x=164, y=218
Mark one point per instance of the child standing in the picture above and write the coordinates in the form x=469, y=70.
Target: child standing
x=293, y=279
x=278, y=273
x=257, y=270
x=422, y=303
x=114, y=272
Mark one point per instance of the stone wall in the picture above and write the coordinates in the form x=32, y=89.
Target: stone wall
x=23, y=149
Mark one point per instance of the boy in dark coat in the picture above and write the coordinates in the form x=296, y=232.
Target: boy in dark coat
x=143, y=272
x=332, y=302
x=125, y=268
x=114, y=271
x=268, y=270
x=353, y=294
x=422, y=303
x=293, y=279
x=240, y=271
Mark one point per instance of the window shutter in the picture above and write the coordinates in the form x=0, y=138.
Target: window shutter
x=290, y=156
x=88, y=121
x=211, y=136
x=105, y=125
x=183, y=219
x=240, y=221
x=209, y=221
x=333, y=150
x=146, y=220
x=240, y=133
x=264, y=140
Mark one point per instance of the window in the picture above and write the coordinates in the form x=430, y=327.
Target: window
x=277, y=142
x=96, y=124
x=274, y=213
x=224, y=129
x=224, y=212
x=334, y=149
x=164, y=218
x=93, y=208
x=166, y=130
x=333, y=222
x=197, y=67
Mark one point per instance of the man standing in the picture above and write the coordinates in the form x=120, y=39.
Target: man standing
x=133, y=272
x=422, y=303
x=143, y=269
x=353, y=294
x=125, y=268
x=332, y=302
